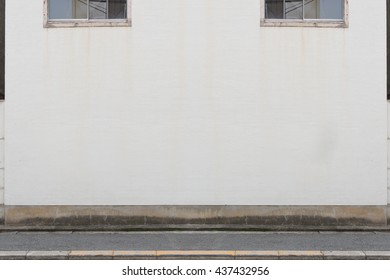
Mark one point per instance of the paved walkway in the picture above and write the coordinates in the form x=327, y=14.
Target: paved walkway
x=195, y=244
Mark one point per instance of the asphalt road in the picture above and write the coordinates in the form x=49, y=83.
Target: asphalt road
x=24, y=241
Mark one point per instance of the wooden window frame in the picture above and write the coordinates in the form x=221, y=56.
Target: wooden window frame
x=50, y=23
x=331, y=23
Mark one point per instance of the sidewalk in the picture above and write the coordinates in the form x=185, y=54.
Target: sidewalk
x=195, y=245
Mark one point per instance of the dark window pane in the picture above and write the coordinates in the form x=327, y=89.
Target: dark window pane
x=111, y=9
x=98, y=9
x=117, y=9
x=294, y=9
x=273, y=8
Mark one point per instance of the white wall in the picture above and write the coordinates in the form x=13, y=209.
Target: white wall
x=388, y=153
x=195, y=104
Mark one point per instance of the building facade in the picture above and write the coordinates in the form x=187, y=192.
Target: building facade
x=205, y=113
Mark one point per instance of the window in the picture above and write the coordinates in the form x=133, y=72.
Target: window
x=321, y=13
x=72, y=13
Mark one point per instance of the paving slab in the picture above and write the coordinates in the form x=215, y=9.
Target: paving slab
x=47, y=255
x=301, y=255
x=95, y=255
x=257, y=255
x=344, y=255
x=194, y=255
x=198, y=255
x=13, y=255
x=377, y=255
x=8, y=232
x=135, y=255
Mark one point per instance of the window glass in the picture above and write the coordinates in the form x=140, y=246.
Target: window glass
x=324, y=9
x=274, y=9
x=293, y=9
x=80, y=9
x=87, y=9
x=98, y=9
x=331, y=9
x=312, y=9
x=68, y=9
x=304, y=9
x=117, y=9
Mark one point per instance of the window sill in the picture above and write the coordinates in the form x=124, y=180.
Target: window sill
x=304, y=23
x=87, y=23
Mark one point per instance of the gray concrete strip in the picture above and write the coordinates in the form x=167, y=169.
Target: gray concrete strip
x=13, y=255
x=195, y=255
x=257, y=255
x=35, y=233
x=377, y=255
x=344, y=255
x=95, y=255
x=300, y=255
x=244, y=241
x=47, y=255
x=135, y=255
x=8, y=232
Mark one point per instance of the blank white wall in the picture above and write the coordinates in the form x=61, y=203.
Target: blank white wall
x=196, y=104
x=388, y=153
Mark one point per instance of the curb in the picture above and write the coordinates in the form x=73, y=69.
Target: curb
x=194, y=255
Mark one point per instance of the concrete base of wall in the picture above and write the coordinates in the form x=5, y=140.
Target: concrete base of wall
x=388, y=215
x=195, y=217
x=1, y=215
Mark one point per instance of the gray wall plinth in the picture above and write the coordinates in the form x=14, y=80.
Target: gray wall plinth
x=2, y=214
x=87, y=217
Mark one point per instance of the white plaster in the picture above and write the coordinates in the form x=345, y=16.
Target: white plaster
x=196, y=104
x=1, y=178
x=388, y=178
x=1, y=186
x=1, y=153
x=388, y=196
x=388, y=119
x=388, y=171
x=388, y=153
x=1, y=119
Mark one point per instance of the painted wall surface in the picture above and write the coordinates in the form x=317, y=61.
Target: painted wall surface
x=2, y=46
x=1, y=153
x=195, y=104
x=388, y=153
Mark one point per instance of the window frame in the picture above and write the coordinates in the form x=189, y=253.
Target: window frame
x=50, y=23
x=331, y=23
